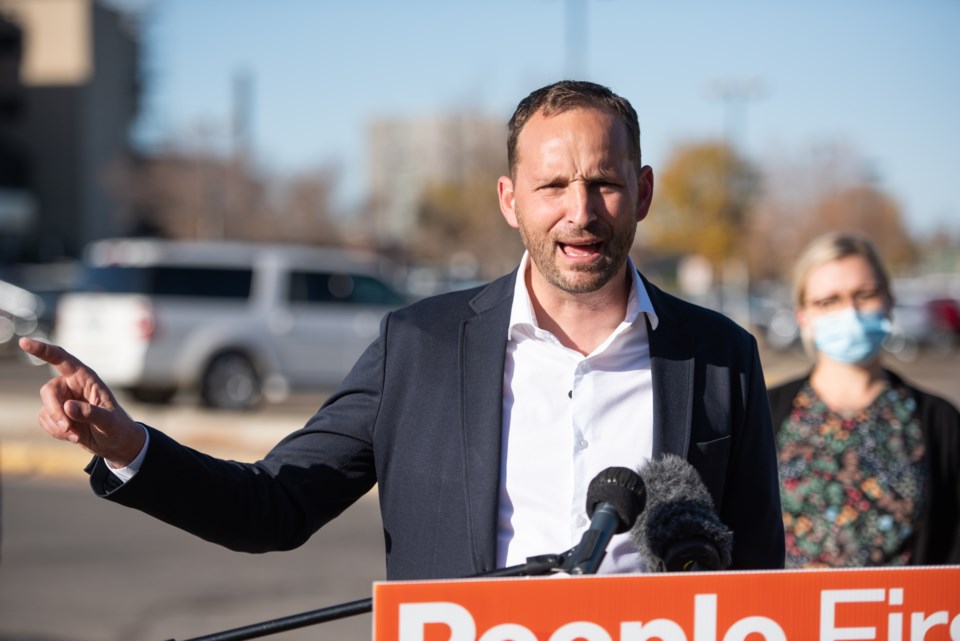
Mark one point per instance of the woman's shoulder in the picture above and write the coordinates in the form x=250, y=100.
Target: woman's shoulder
x=925, y=398
x=938, y=416
x=781, y=398
x=787, y=388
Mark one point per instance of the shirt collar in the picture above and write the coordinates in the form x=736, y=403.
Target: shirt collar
x=522, y=314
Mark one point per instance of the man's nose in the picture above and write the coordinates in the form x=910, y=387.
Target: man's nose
x=580, y=210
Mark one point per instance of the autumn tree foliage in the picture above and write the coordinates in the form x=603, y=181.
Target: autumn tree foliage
x=702, y=203
x=463, y=218
x=868, y=210
x=709, y=201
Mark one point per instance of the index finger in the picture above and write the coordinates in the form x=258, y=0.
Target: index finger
x=64, y=362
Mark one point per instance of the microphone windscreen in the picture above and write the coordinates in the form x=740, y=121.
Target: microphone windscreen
x=679, y=512
x=623, y=489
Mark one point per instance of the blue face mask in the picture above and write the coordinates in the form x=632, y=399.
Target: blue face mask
x=850, y=337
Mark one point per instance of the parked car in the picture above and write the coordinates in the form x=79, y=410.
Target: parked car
x=945, y=318
x=21, y=314
x=918, y=324
x=774, y=323
x=234, y=322
x=921, y=323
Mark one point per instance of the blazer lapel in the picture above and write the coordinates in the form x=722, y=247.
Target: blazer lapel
x=671, y=364
x=483, y=341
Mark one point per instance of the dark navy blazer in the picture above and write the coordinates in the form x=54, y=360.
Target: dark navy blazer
x=420, y=415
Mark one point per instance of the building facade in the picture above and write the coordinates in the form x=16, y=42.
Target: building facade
x=408, y=155
x=69, y=68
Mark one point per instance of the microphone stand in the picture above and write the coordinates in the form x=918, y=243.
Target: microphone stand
x=534, y=566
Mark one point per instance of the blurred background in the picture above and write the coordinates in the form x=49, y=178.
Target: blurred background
x=380, y=127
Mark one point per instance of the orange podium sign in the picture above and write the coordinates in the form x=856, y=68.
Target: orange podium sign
x=903, y=604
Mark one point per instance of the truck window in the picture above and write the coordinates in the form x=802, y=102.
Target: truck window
x=325, y=287
x=206, y=282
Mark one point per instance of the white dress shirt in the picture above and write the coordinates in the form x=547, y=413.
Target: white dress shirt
x=567, y=417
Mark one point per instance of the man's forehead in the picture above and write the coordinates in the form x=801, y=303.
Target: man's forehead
x=543, y=133
x=571, y=122
x=547, y=114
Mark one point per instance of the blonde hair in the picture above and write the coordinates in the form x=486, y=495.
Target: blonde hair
x=828, y=248
x=834, y=246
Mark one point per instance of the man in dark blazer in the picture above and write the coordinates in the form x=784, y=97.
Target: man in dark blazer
x=422, y=414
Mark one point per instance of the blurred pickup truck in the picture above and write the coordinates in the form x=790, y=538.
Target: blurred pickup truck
x=233, y=322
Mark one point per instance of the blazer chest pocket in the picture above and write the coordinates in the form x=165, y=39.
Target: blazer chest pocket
x=711, y=459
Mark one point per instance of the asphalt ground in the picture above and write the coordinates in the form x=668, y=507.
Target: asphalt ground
x=77, y=568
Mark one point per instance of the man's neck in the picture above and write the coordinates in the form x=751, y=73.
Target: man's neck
x=579, y=321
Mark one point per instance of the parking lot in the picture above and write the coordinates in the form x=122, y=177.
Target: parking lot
x=25, y=450
x=76, y=568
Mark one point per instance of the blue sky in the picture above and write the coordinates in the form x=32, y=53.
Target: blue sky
x=882, y=77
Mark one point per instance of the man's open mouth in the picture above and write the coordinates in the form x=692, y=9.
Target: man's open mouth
x=581, y=250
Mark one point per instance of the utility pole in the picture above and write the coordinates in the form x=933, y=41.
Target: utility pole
x=736, y=95
x=576, y=38
x=241, y=113
x=735, y=276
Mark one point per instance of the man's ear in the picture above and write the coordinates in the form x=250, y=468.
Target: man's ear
x=507, y=200
x=645, y=193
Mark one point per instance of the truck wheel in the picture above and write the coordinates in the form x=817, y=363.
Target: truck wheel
x=231, y=382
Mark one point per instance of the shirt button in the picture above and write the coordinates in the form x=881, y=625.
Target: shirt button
x=582, y=444
x=581, y=521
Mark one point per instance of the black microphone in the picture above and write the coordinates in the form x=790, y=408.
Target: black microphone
x=615, y=497
x=679, y=531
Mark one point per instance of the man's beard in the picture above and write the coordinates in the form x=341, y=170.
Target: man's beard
x=586, y=277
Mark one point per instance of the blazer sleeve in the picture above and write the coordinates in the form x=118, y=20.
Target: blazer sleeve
x=277, y=503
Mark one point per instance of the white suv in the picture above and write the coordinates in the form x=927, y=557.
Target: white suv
x=235, y=322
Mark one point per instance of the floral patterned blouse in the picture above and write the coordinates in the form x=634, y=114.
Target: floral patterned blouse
x=851, y=486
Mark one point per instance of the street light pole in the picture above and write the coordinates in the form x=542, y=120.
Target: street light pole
x=736, y=96
x=735, y=278
x=576, y=37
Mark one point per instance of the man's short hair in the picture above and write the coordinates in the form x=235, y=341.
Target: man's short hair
x=572, y=94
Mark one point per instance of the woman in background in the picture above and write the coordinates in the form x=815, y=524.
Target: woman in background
x=869, y=465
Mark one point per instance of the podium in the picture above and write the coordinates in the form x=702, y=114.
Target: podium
x=884, y=604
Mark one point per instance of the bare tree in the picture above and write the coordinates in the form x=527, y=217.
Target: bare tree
x=203, y=195
x=827, y=188
x=461, y=220
x=298, y=209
